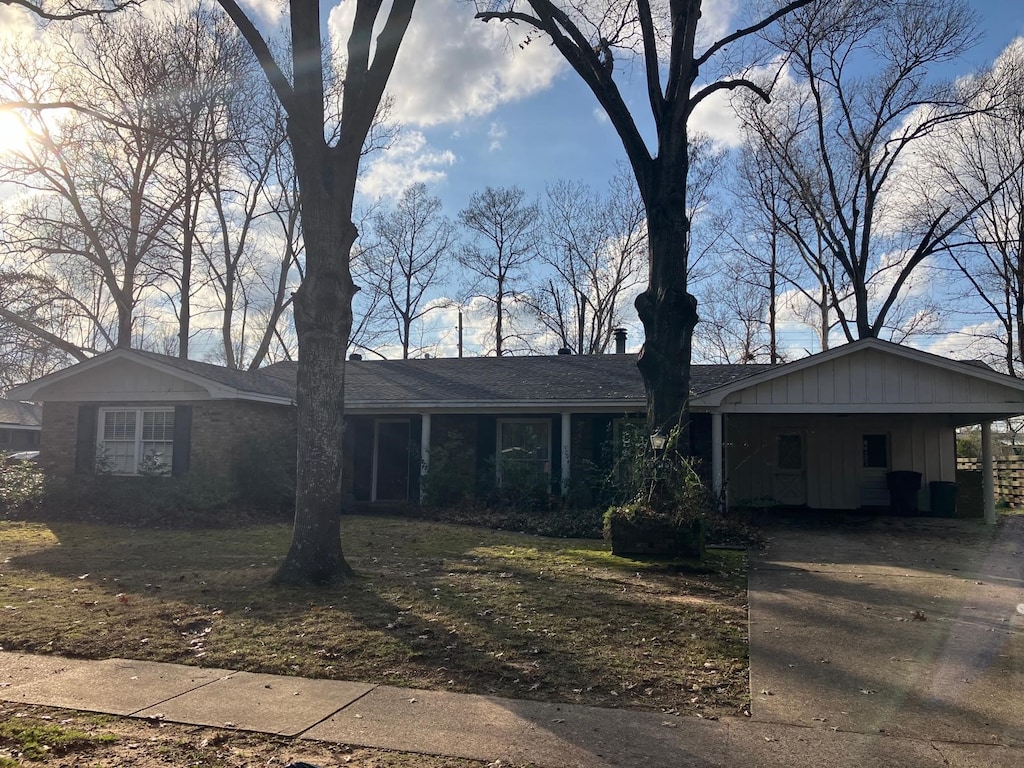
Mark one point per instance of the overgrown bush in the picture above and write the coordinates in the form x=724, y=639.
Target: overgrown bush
x=195, y=499
x=21, y=486
x=264, y=474
x=450, y=479
x=669, y=508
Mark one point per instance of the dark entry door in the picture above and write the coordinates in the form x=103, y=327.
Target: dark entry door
x=391, y=462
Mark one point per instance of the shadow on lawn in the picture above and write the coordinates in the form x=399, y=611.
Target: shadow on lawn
x=434, y=606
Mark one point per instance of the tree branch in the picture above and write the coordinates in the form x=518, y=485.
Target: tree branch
x=259, y=46
x=42, y=333
x=73, y=10
x=752, y=29
x=728, y=85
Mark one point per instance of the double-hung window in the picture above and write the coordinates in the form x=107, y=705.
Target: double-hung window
x=135, y=441
x=524, y=451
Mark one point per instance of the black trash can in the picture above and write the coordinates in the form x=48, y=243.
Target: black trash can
x=903, y=488
x=943, y=498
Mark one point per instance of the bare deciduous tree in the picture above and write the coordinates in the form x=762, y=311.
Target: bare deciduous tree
x=982, y=159
x=405, y=257
x=668, y=40
x=502, y=229
x=95, y=193
x=594, y=243
x=69, y=10
x=326, y=174
x=841, y=142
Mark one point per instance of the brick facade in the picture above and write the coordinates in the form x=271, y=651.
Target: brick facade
x=219, y=428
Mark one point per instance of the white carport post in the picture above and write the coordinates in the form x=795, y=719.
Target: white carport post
x=565, y=450
x=988, y=480
x=717, y=463
x=424, y=449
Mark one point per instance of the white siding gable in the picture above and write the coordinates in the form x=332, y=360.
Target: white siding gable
x=122, y=380
x=876, y=380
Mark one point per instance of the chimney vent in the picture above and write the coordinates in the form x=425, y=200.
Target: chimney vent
x=564, y=351
x=355, y=357
x=620, y=341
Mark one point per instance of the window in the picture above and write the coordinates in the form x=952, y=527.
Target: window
x=135, y=441
x=790, y=452
x=876, y=451
x=630, y=443
x=524, y=452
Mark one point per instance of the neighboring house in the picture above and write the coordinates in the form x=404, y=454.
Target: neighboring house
x=20, y=425
x=821, y=432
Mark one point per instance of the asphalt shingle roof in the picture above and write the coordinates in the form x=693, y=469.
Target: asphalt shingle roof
x=16, y=414
x=257, y=382
x=553, y=378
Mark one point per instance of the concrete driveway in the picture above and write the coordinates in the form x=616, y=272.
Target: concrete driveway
x=908, y=627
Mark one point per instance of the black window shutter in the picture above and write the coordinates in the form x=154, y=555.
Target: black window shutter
x=181, y=456
x=85, y=441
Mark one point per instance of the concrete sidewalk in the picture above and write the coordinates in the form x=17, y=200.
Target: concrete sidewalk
x=842, y=674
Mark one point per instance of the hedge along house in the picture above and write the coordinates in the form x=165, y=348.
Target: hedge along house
x=823, y=432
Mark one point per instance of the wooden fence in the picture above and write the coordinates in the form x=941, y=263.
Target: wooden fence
x=1009, y=480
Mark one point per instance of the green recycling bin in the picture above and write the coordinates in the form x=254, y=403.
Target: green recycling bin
x=943, y=498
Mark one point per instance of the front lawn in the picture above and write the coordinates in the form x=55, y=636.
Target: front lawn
x=435, y=606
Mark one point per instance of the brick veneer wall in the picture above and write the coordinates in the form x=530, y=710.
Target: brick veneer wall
x=219, y=427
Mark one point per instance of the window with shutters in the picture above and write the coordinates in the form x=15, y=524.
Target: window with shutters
x=133, y=441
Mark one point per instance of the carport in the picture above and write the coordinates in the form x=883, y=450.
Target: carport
x=827, y=432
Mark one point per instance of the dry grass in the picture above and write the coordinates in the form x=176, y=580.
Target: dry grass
x=434, y=606
x=62, y=739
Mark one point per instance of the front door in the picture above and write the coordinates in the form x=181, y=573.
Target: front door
x=789, y=486
x=391, y=461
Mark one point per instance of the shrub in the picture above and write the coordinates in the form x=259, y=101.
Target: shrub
x=190, y=500
x=21, y=486
x=669, y=509
x=264, y=474
x=450, y=473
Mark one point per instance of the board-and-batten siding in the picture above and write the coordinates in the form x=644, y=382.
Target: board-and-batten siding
x=123, y=379
x=834, y=476
x=870, y=378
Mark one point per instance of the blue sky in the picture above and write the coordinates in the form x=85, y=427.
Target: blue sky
x=474, y=118
x=535, y=133
x=479, y=110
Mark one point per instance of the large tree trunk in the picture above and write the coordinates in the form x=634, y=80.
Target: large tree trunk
x=323, y=322
x=669, y=315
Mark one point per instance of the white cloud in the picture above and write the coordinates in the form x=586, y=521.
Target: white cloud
x=451, y=66
x=15, y=21
x=408, y=161
x=971, y=342
x=715, y=117
x=496, y=133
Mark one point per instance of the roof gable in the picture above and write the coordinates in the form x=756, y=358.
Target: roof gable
x=873, y=375
x=127, y=374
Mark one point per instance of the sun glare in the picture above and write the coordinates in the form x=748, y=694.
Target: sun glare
x=12, y=135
